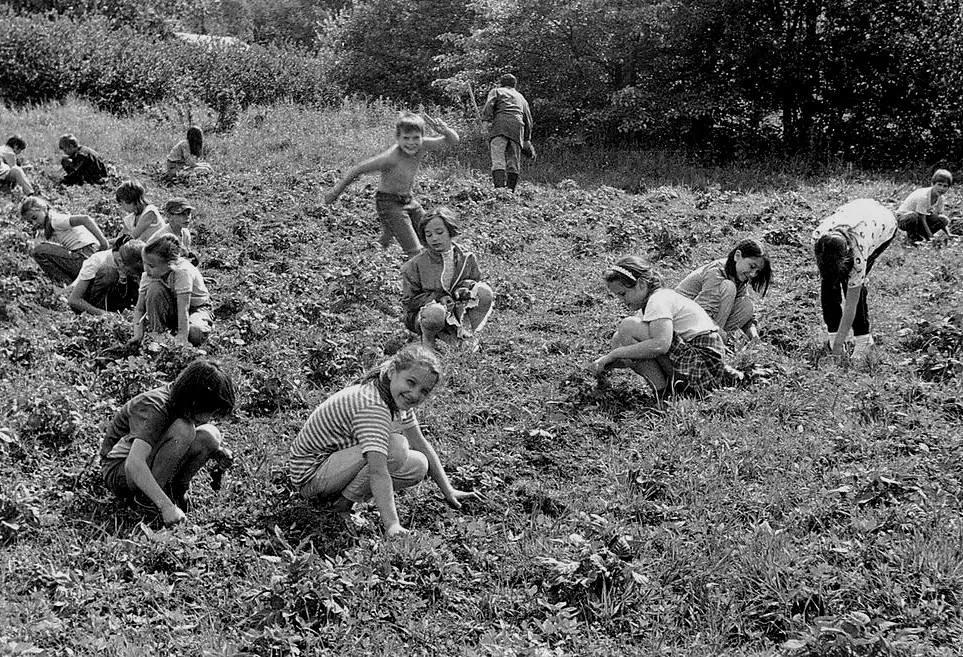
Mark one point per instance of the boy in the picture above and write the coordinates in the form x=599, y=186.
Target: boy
x=398, y=210
x=921, y=214
x=10, y=169
x=82, y=165
x=511, y=131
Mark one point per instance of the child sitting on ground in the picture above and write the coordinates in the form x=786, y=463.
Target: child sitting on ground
x=922, y=212
x=82, y=165
x=108, y=280
x=173, y=296
x=161, y=438
x=187, y=154
x=142, y=219
x=398, y=210
x=10, y=169
x=64, y=241
x=441, y=292
x=846, y=245
x=669, y=340
x=721, y=287
x=365, y=441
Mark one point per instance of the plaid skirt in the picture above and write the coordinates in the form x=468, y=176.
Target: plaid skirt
x=698, y=362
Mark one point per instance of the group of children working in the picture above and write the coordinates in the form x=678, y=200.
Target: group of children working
x=364, y=442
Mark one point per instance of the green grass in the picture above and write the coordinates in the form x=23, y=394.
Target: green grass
x=816, y=513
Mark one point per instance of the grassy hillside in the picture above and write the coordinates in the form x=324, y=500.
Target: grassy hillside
x=814, y=512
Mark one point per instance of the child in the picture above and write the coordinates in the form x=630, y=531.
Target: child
x=68, y=240
x=398, y=210
x=161, y=438
x=108, y=279
x=511, y=131
x=142, y=219
x=441, y=293
x=82, y=165
x=172, y=296
x=10, y=169
x=669, y=340
x=187, y=153
x=364, y=441
x=178, y=213
x=721, y=287
x=921, y=213
x=846, y=245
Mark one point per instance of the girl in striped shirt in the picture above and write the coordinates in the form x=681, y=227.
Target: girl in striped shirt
x=364, y=441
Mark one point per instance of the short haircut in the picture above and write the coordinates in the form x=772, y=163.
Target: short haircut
x=943, y=176
x=68, y=140
x=131, y=191
x=130, y=253
x=202, y=387
x=834, y=256
x=166, y=246
x=16, y=142
x=409, y=122
x=632, y=270
x=447, y=216
x=507, y=80
x=749, y=248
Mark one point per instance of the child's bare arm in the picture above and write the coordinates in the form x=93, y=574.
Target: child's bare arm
x=436, y=470
x=139, y=474
x=140, y=310
x=376, y=163
x=183, y=315
x=77, y=302
x=91, y=225
x=448, y=136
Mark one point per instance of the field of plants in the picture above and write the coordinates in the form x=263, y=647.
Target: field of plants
x=816, y=511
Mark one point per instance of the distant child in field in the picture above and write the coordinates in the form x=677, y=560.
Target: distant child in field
x=66, y=241
x=161, y=438
x=173, y=296
x=188, y=154
x=108, y=280
x=10, y=169
x=922, y=212
x=82, y=165
x=846, y=245
x=670, y=340
x=721, y=287
x=441, y=289
x=364, y=441
x=141, y=219
x=398, y=210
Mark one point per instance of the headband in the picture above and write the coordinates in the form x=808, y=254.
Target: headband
x=622, y=271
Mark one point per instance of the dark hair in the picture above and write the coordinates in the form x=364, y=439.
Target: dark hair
x=68, y=140
x=507, y=80
x=409, y=122
x=202, y=387
x=749, y=248
x=834, y=256
x=16, y=142
x=167, y=246
x=447, y=216
x=411, y=355
x=132, y=191
x=195, y=140
x=632, y=270
x=130, y=253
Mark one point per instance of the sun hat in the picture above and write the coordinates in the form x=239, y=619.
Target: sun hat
x=177, y=205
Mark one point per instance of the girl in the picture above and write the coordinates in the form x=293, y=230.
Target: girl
x=187, y=153
x=441, y=291
x=108, y=279
x=364, y=441
x=172, y=295
x=721, y=287
x=68, y=239
x=10, y=169
x=161, y=438
x=846, y=244
x=669, y=339
x=142, y=219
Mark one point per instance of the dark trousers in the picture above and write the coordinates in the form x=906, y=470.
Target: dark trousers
x=832, y=293
x=108, y=292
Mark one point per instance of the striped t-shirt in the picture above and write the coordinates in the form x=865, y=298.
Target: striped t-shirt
x=356, y=415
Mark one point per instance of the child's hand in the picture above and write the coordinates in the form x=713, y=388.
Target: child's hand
x=456, y=497
x=173, y=515
x=435, y=124
x=331, y=197
x=597, y=367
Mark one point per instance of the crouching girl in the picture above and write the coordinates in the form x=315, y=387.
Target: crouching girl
x=173, y=296
x=670, y=340
x=161, y=438
x=442, y=295
x=64, y=241
x=364, y=441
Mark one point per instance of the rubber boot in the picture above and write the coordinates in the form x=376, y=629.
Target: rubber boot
x=512, y=181
x=498, y=178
